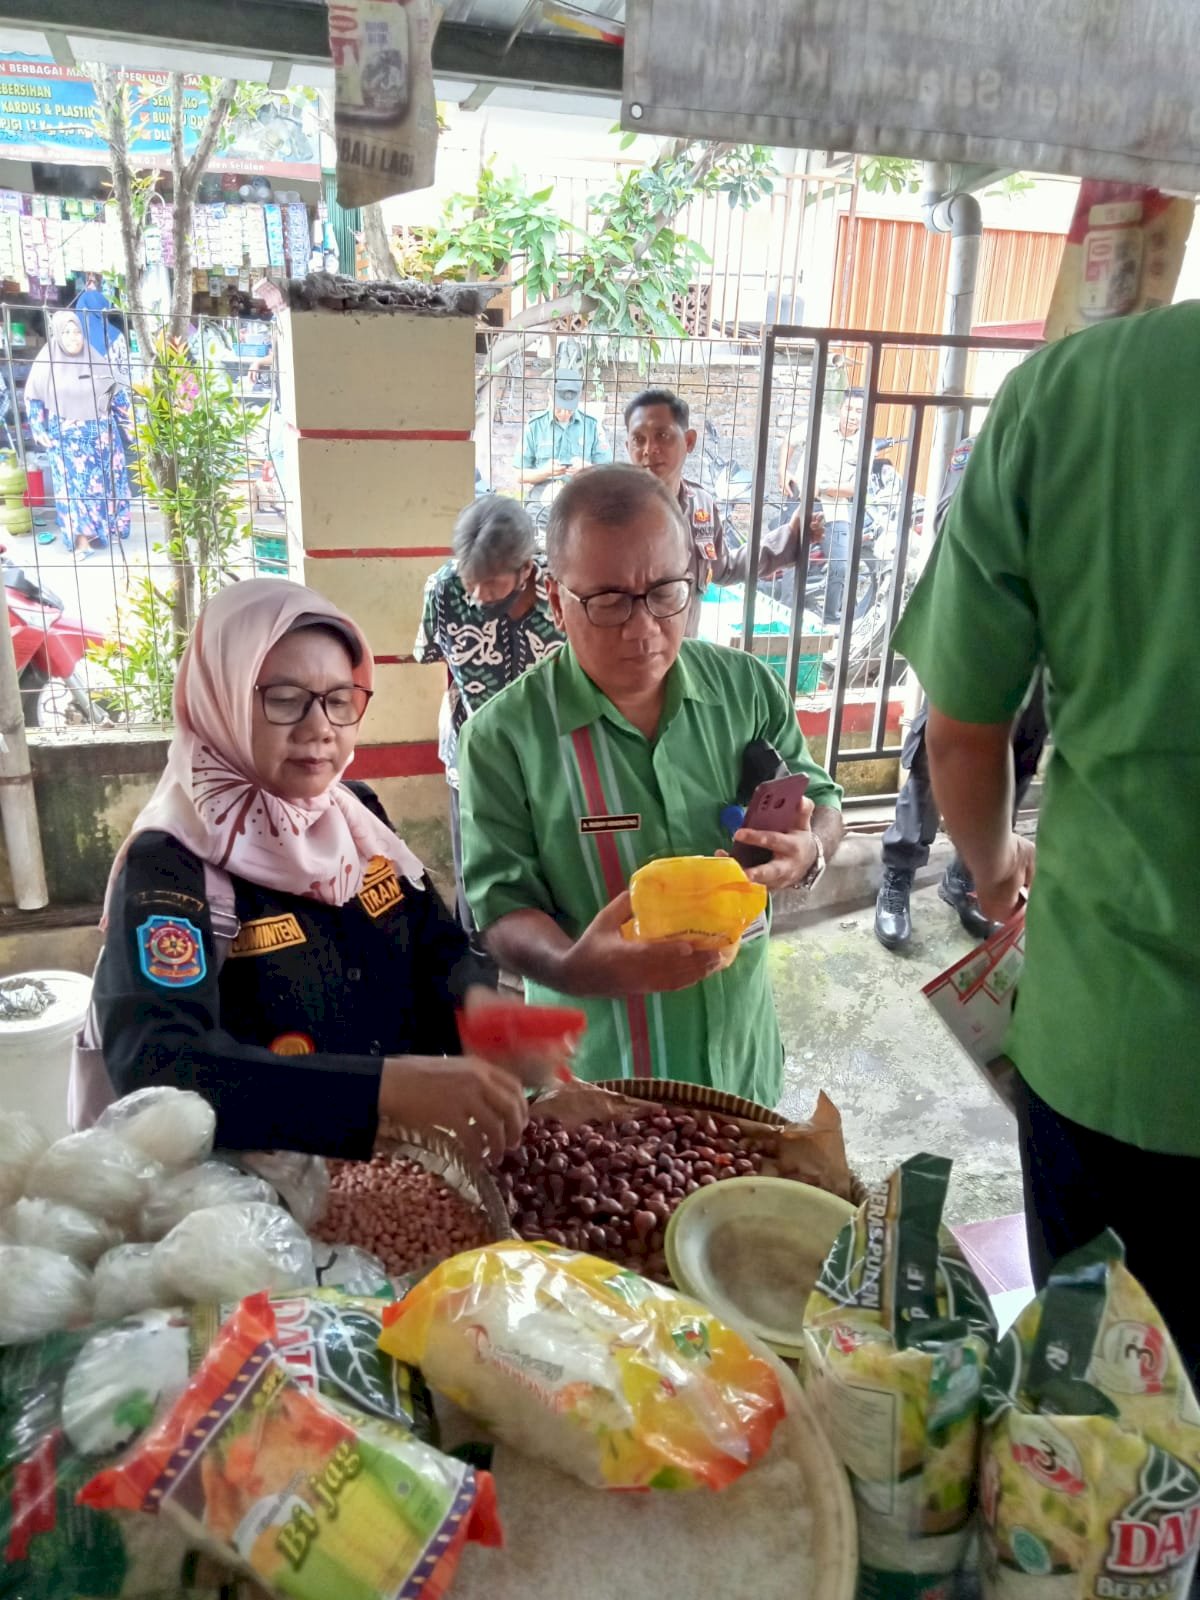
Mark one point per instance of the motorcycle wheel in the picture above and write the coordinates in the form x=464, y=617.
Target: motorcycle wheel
x=48, y=703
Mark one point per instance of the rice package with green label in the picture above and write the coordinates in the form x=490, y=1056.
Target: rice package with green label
x=1090, y=1477
x=898, y=1332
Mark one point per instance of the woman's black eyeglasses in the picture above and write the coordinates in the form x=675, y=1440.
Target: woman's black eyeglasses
x=286, y=703
x=615, y=606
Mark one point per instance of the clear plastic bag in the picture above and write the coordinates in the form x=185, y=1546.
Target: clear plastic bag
x=213, y=1183
x=172, y=1126
x=231, y=1251
x=96, y=1171
x=64, y=1229
x=302, y=1182
x=125, y=1280
x=589, y=1368
x=353, y=1271
x=22, y=1143
x=40, y=1292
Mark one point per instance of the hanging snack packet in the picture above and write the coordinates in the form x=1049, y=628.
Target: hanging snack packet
x=898, y=1331
x=1091, y=1445
x=254, y=1468
x=589, y=1368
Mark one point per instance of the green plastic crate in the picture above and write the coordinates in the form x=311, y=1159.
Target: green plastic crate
x=270, y=554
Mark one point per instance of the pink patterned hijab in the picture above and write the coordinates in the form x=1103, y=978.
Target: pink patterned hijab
x=208, y=797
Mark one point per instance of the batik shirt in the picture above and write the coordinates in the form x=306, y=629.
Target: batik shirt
x=482, y=654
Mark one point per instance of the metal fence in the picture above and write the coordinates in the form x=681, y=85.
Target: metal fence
x=116, y=484
x=829, y=394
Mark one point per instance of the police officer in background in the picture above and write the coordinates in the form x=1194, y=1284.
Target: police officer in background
x=915, y=825
x=659, y=437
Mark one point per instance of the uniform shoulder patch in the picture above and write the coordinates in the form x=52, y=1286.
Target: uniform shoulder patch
x=171, y=952
x=381, y=887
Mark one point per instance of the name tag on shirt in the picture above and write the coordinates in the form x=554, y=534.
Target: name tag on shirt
x=757, y=928
x=628, y=822
x=264, y=935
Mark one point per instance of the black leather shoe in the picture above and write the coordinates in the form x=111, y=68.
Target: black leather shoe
x=893, y=924
x=957, y=891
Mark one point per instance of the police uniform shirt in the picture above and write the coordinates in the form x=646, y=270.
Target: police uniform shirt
x=286, y=1037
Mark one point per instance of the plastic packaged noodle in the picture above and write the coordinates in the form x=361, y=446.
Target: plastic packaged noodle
x=64, y=1229
x=707, y=900
x=125, y=1281
x=252, y=1465
x=1090, y=1480
x=96, y=1171
x=302, y=1181
x=22, y=1143
x=71, y=1403
x=229, y=1251
x=589, y=1368
x=40, y=1292
x=212, y=1183
x=172, y=1126
x=898, y=1331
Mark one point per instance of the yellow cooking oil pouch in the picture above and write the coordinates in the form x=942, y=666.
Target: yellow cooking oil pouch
x=707, y=900
x=312, y=1502
x=589, y=1368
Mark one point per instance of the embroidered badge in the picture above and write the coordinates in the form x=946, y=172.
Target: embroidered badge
x=699, y=515
x=959, y=459
x=171, y=952
x=264, y=935
x=293, y=1044
x=628, y=822
x=167, y=897
x=381, y=888
x=710, y=550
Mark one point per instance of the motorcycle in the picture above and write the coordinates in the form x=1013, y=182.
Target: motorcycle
x=729, y=483
x=49, y=645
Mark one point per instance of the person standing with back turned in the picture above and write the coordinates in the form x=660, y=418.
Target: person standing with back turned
x=1036, y=563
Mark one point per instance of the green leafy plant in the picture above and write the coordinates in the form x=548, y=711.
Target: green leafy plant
x=191, y=433
x=878, y=174
x=479, y=234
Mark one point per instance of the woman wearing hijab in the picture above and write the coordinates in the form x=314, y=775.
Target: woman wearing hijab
x=93, y=305
x=270, y=941
x=74, y=398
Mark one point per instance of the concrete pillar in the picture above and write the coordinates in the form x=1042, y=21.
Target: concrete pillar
x=380, y=408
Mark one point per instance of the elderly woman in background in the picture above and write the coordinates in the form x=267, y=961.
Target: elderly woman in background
x=75, y=399
x=270, y=941
x=487, y=616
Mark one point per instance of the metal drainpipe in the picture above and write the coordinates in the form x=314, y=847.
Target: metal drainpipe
x=18, y=810
x=959, y=216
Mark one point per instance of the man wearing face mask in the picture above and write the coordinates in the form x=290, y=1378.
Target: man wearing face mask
x=560, y=441
x=487, y=616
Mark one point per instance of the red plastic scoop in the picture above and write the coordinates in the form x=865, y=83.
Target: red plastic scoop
x=502, y=1031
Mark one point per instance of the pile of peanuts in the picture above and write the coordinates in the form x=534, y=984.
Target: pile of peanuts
x=610, y=1187
x=399, y=1212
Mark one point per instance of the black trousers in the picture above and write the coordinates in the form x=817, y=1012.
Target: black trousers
x=1078, y=1182
x=485, y=970
x=914, y=827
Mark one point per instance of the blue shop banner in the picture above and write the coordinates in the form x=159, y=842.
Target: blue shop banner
x=49, y=113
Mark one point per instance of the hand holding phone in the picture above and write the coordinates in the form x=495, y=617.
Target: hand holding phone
x=774, y=807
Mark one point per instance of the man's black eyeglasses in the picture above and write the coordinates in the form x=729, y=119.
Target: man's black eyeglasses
x=615, y=606
x=287, y=703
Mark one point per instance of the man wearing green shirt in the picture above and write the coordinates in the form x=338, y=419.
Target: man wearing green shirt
x=625, y=746
x=1047, y=556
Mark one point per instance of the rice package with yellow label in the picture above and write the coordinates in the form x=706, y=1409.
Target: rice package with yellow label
x=1090, y=1479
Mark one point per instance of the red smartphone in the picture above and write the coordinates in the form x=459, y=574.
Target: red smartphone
x=774, y=807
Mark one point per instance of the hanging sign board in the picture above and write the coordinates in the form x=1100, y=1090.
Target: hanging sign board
x=1096, y=88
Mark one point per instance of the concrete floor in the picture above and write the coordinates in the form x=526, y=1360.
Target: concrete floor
x=855, y=1024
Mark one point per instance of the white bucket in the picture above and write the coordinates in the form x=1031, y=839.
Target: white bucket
x=35, y=1054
